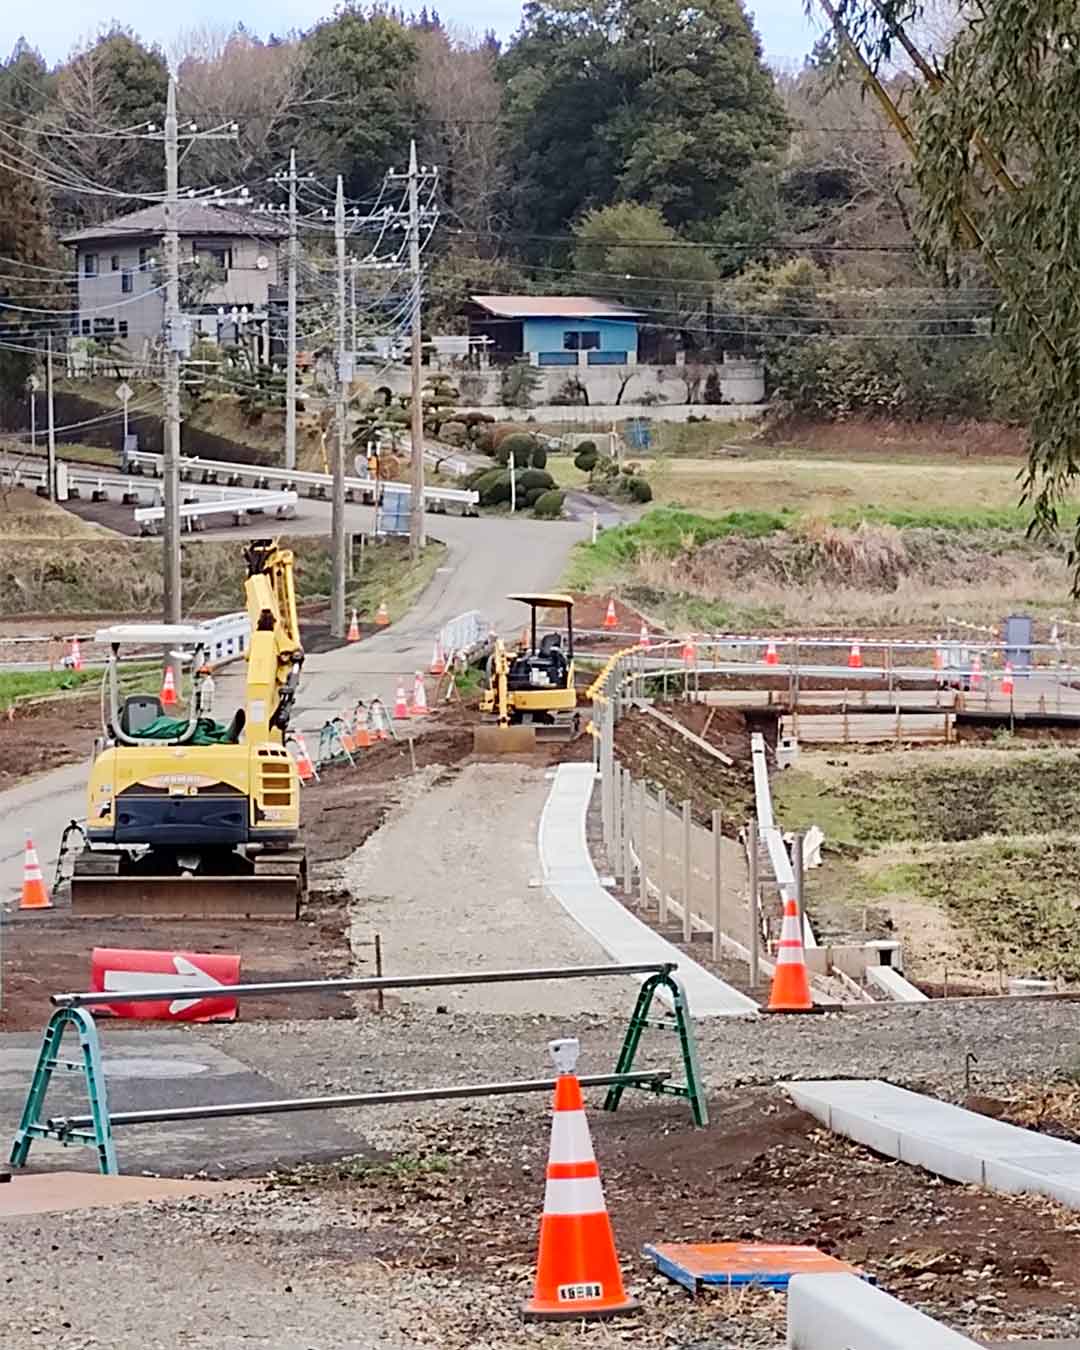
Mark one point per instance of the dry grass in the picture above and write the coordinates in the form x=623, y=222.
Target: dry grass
x=24, y=515
x=825, y=486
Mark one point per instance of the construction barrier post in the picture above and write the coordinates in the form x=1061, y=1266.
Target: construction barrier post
x=680, y=1022
x=797, y=866
x=718, y=840
x=687, y=872
x=628, y=830
x=661, y=872
x=643, y=839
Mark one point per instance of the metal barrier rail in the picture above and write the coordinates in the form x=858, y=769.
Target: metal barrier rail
x=283, y=504
x=99, y=482
x=95, y=1128
x=262, y=475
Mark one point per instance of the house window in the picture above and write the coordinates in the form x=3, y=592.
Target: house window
x=86, y=327
x=214, y=253
x=587, y=340
x=114, y=262
x=144, y=255
x=123, y=328
x=104, y=327
x=90, y=262
x=127, y=282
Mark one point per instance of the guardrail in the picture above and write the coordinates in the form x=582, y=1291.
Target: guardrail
x=95, y=1128
x=319, y=485
x=283, y=504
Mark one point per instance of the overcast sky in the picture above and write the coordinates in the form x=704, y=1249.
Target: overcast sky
x=53, y=26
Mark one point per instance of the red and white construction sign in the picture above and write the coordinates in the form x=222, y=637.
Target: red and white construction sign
x=116, y=969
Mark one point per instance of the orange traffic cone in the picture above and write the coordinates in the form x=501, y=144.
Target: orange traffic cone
x=577, y=1271
x=354, y=629
x=791, y=982
x=304, y=767
x=689, y=652
x=401, y=708
x=976, y=672
x=34, y=894
x=610, y=619
x=771, y=657
x=419, y=697
x=643, y=636
x=168, y=689
x=1007, y=686
x=382, y=615
x=855, y=657
x=76, y=655
x=438, y=658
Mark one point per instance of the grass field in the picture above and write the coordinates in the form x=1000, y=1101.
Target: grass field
x=19, y=685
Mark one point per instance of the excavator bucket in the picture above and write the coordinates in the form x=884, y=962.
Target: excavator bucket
x=494, y=739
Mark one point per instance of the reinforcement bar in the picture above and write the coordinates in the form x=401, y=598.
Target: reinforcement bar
x=65, y=1124
x=374, y=983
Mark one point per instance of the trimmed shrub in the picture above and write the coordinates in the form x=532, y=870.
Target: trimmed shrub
x=501, y=430
x=539, y=458
x=485, y=440
x=454, y=433
x=549, y=505
x=489, y=483
x=476, y=419
x=605, y=467
x=521, y=445
x=586, y=457
x=639, y=489
x=533, y=495
x=535, y=478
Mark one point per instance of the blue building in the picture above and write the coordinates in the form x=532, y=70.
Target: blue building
x=555, y=330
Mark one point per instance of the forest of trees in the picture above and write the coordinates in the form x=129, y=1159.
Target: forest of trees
x=640, y=150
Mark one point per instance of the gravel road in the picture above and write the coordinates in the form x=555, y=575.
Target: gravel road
x=445, y=883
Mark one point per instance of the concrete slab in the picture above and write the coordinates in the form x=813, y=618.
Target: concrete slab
x=827, y=1312
x=945, y=1139
x=569, y=875
x=173, y=1068
x=54, y=1192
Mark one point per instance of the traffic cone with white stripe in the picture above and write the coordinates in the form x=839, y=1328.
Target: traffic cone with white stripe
x=771, y=656
x=791, y=981
x=34, y=894
x=76, y=655
x=855, y=657
x=1007, y=685
x=305, y=769
x=382, y=615
x=610, y=618
x=419, y=697
x=354, y=629
x=643, y=636
x=168, y=689
x=361, y=728
x=401, y=707
x=577, y=1270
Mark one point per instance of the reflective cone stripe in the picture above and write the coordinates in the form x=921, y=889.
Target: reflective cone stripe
x=377, y=720
x=401, y=708
x=419, y=697
x=304, y=767
x=76, y=655
x=1007, y=685
x=577, y=1275
x=610, y=618
x=348, y=741
x=438, y=659
x=771, y=658
x=643, y=636
x=855, y=657
x=354, y=629
x=791, y=982
x=382, y=615
x=168, y=689
x=361, y=732
x=34, y=894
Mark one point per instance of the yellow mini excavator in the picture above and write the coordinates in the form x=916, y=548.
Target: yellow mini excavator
x=190, y=817
x=530, y=693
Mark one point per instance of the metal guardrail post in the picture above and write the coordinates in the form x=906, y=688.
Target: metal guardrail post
x=687, y=872
x=753, y=903
x=661, y=875
x=628, y=830
x=717, y=840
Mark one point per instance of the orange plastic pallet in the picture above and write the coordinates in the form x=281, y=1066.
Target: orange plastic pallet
x=768, y=1264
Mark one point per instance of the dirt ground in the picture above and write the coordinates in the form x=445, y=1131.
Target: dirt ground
x=862, y=435
x=44, y=736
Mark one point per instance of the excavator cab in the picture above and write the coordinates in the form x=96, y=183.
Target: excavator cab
x=530, y=692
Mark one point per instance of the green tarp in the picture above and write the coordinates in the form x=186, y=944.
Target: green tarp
x=207, y=731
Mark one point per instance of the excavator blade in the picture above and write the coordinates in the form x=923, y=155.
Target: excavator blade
x=493, y=739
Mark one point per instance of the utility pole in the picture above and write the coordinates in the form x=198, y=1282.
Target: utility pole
x=32, y=386
x=290, y=365
x=352, y=302
x=344, y=376
x=52, y=420
x=173, y=346
x=417, y=532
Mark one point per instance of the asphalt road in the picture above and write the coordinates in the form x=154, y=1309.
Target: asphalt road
x=487, y=559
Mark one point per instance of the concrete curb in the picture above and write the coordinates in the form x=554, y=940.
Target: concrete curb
x=826, y=1312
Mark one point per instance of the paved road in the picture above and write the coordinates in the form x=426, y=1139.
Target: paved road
x=487, y=558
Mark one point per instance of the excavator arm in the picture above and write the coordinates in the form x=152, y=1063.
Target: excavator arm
x=275, y=656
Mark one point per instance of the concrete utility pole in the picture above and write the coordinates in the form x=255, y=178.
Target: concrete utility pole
x=344, y=376
x=290, y=361
x=417, y=531
x=33, y=384
x=52, y=419
x=173, y=347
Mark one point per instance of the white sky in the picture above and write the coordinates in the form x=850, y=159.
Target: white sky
x=53, y=26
